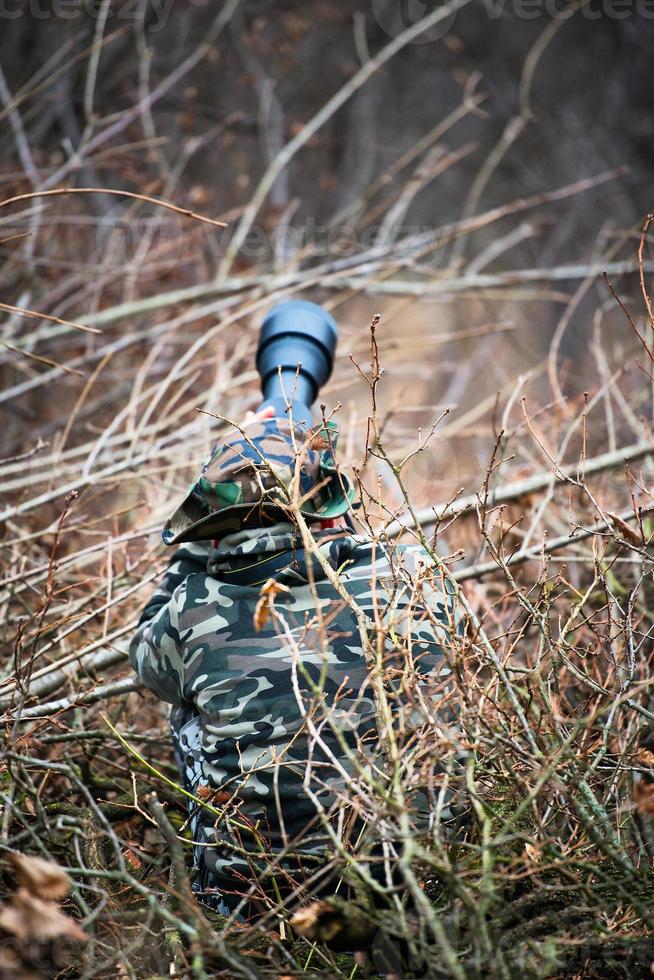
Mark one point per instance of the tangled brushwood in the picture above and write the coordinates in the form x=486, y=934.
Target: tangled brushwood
x=530, y=850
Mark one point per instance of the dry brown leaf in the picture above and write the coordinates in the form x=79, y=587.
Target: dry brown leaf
x=645, y=757
x=533, y=853
x=209, y=795
x=319, y=442
x=340, y=925
x=30, y=918
x=306, y=920
x=132, y=859
x=272, y=588
x=644, y=797
x=261, y=614
x=42, y=878
x=629, y=533
x=269, y=590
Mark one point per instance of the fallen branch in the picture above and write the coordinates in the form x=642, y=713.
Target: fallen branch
x=522, y=488
x=458, y=284
x=10, y=685
x=99, y=693
x=47, y=684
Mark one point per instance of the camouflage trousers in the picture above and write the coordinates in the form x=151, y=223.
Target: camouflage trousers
x=187, y=746
x=213, y=864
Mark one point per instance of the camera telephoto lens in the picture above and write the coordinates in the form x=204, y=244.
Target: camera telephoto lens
x=295, y=357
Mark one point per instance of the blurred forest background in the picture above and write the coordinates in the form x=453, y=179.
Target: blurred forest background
x=193, y=101
x=470, y=182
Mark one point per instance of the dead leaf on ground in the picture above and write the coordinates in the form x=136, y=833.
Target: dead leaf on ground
x=29, y=918
x=534, y=853
x=340, y=925
x=42, y=878
x=132, y=859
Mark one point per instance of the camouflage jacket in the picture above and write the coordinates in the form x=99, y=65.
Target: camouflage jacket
x=276, y=719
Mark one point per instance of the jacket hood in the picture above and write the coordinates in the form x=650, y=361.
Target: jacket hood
x=254, y=555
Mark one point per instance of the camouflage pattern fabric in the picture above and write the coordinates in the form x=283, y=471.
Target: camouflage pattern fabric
x=271, y=466
x=271, y=726
x=186, y=732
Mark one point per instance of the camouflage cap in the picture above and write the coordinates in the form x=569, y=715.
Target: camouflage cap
x=251, y=479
